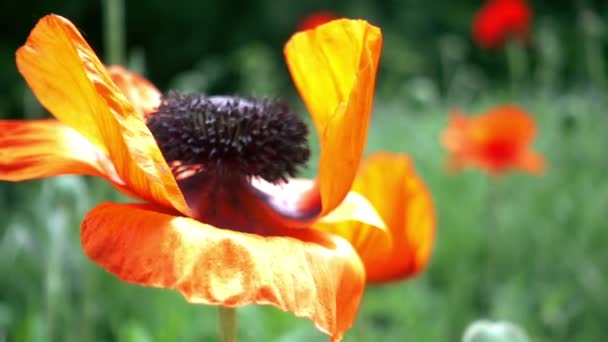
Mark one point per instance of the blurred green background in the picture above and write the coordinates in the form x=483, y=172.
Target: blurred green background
x=534, y=256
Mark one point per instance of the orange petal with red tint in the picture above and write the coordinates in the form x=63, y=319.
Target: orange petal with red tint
x=310, y=273
x=532, y=162
x=334, y=68
x=453, y=136
x=454, y=139
x=140, y=92
x=69, y=80
x=43, y=148
x=405, y=204
x=496, y=141
x=509, y=123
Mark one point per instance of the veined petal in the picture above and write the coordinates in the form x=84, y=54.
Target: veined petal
x=140, y=92
x=405, y=204
x=334, y=68
x=43, y=148
x=310, y=273
x=69, y=80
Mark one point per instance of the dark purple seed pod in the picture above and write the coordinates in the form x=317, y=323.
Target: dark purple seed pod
x=254, y=137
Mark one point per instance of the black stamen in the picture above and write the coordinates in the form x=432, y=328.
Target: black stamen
x=259, y=138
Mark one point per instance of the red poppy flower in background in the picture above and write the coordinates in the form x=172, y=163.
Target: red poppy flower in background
x=499, y=20
x=496, y=141
x=313, y=20
x=305, y=246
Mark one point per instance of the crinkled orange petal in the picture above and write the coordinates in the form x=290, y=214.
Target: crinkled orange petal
x=43, y=148
x=310, y=273
x=69, y=80
x=334, y=68
x=405, y=205
x=140, y=92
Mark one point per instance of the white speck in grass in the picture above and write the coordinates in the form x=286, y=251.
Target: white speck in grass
x=494, y=331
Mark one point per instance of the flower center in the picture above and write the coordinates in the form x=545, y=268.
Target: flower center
x=228, y=134
x=216, y=146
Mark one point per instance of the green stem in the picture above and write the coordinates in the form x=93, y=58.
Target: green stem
x=516, y=59
x=592, y=28
x=114, y=31
x=227, y=324
x=489, y=244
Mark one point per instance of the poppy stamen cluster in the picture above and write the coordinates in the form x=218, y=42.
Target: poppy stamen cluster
x=250, y=137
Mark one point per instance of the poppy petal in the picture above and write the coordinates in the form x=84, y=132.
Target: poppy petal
x=454, y=139
x=43, y=148
x=453, y=136
x=307, y=272
x=334, y=68
x=406, y=206
x=497, y=21
x=313, y=20
x=496, y=141
x=354, y=207
x=508, y=122
x=140, y=92
x=532, y=162
x=69, y=80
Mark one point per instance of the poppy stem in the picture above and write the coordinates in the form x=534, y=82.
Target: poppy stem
x=489, y=244
x=516, y=60
x=593, y=45
x=227, y=324
x=114, y=31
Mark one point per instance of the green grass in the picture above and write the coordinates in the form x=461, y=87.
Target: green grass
x=534, y=255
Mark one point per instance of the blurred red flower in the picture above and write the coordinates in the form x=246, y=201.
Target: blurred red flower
x=315, y=19
x=499, y=20
x=496, y=141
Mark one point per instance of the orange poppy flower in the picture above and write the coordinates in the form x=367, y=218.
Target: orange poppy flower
x=496, y=141
x=498, y=20
x=315, y=19
x=228, y=231
x=404, y=203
